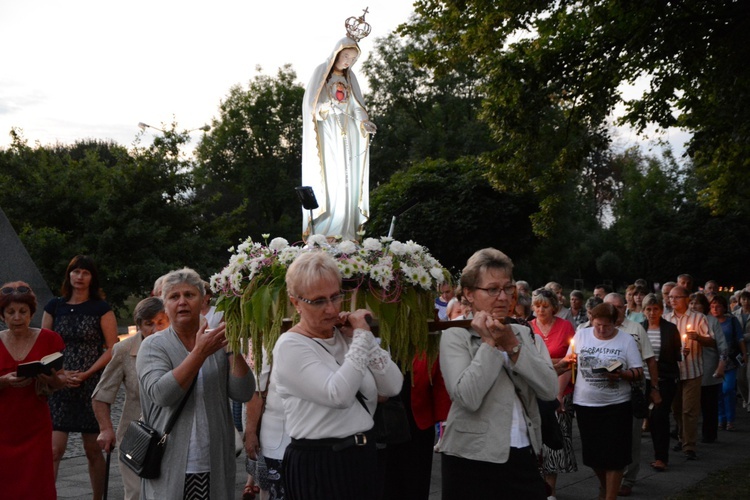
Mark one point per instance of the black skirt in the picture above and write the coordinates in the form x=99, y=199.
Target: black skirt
x=606, y=433
x=316, y=472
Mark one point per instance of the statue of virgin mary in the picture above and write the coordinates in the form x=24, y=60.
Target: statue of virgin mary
x=335, y=146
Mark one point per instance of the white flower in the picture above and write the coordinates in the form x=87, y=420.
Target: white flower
x=386, y=239
x=413, y=248
x=287, y=255
x=317, y=240
x=397, y=248
x=347, y=247
x=277, y=244
x=265, y=236
x=245, y=246
x=372, y=245
x=438, y=274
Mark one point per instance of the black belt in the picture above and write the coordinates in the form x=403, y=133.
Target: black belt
x=336, y=444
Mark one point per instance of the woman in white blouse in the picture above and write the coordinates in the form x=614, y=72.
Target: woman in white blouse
x=329, y=371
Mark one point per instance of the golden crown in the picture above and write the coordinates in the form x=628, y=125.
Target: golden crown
x=356, y=27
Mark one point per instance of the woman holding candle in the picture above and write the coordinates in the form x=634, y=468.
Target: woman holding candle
x=557, y=334
x=608, y=360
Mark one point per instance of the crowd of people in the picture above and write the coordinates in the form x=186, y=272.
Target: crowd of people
x=501, y=400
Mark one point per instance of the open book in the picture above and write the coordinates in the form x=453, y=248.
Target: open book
x=613, y=367
x=44, y=365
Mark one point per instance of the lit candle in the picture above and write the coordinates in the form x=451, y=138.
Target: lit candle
x=573, y=364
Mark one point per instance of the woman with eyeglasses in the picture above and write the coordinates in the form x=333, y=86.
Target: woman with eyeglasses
x=494, y=373
x=557, y=334
x=25, y=423
x=88, y=327
x=329, y=371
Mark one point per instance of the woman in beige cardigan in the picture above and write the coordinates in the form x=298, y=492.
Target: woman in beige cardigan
x=494, y=373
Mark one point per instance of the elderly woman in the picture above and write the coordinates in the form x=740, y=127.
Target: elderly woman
x=199, y=460
x=329, y=372
x=665, y=340
x=494, y=373
x=557, y=334
x=150, y=318
x=608, y=360
x=25, y=424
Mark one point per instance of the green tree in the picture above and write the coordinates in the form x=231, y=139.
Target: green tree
x=456, y=212
x=553, y=73
x=420, y=115
x=134, y=212
x=250, y=162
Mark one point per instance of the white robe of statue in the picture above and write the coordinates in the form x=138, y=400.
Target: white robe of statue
x=335, y=146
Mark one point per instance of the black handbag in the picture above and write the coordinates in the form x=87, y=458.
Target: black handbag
x=552, y=436
x=142, y=446
x=638, y=401
x=391, y=425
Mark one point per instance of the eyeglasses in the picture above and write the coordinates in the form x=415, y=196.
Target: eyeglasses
x=675, y=297
x=321, y=303
x=509, y=290
x=18, y=289
x=544, y=292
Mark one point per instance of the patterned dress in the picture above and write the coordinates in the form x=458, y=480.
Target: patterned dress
x=557, y=342
x=80, y=327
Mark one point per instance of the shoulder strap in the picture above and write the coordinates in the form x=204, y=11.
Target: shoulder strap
x=173, y=417
x=360, y=397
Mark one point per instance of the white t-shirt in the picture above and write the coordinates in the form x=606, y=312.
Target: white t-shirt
x=594, y=389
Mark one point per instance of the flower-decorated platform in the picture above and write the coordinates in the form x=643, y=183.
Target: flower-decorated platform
x=397, y=281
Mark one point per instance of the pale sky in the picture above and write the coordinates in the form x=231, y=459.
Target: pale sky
x=81, y=69
x=93, y=69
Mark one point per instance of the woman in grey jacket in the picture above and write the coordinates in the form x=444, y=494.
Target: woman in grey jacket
x=199, y=458
x=494, y=373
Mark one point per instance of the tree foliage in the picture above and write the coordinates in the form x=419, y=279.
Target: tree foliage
x=250, y=162
x=420, y=115
x=553, y=73
x=133, y=212
x=456, y=213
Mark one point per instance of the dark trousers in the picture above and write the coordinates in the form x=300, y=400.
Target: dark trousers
x=710, y=410
x=407, y=467
x=658, y=420
x=517, y=478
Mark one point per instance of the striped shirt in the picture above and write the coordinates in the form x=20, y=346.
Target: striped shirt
x=692, y=364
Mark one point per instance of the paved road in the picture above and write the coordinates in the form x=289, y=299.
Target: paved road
x=731, y=448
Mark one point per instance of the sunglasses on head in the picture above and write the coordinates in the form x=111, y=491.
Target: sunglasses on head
x=18, y=289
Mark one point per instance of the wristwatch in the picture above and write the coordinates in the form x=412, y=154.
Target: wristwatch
x=516, y=348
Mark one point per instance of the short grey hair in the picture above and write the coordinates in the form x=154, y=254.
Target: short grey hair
x=309, y=269
x=147, y=309
x=652, y=300
x=178, y=277
x=481, y=261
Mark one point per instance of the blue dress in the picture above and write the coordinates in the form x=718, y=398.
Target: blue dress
x=79, y=325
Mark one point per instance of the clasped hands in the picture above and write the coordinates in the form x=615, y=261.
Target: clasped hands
x=493, y=331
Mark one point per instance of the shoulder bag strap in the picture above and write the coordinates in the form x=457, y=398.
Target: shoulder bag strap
x=175, y=415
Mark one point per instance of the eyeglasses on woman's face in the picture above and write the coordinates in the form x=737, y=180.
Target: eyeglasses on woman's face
x=509, y=290
x=323, y=302
x=15, y=289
